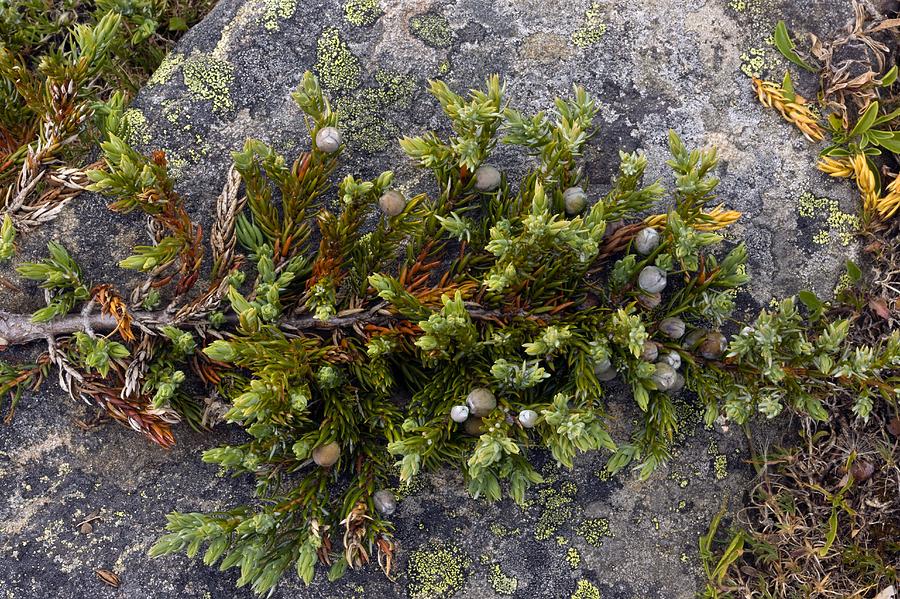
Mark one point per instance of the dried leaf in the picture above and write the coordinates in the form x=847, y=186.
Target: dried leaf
x=894, y=426
x=879, y=306
x=109, y=577
x=888, y=593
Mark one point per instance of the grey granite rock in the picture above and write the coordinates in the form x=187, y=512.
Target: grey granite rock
x=654, y=65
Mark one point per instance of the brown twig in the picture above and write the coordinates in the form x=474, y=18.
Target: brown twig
x=18, y=329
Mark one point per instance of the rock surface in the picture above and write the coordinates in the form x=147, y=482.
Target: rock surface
x=654, y=65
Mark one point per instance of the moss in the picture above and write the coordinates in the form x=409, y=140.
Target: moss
x=585, y=590
x=573, y=558
x=135, y=130
x=592, y=27
x=338, y=68
x=500, y=582
x=432, y=28
x=278, y=10
x=209, y=78
x=436, y=570
x=362, y=12
x=594, y=530
x=363, y=118
x=166, y=69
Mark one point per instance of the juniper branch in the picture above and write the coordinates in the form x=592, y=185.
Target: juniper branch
x=19, y=329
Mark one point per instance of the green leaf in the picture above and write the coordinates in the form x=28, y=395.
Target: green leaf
x=888, y=78
x=177, y=24
x=810, y=300
x=306, y=563
x=865, y=120
x=337, y=570
x=853, y=271
x=885, y=118
x=788, y=86
x=831, y=534
x=889, y=140
x=641, y=396
x=786, y=46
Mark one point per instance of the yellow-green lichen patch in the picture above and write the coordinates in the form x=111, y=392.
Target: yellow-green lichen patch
x=408, y=488
x=166, y=69
x=433, y=29
x=592, y=27
x=837, y=223
x=594, y=530
x=177, y=164
x=278, y=10
x=362, y=12
x=573, y=558
x=171, y=111
x=745, y=6
x=436, y=570
x=557, y=509
x=500, y=582
x=688, y=415
x=209, y=78
x=337, y=66
x=720, y=466
x=134, y=127
x=844, y=283
x=500, y=531
x=363, y=121
x=585, y=590
x=754, y=62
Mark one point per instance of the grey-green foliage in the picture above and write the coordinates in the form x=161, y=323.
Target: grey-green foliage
x=527, y=302
x=785, y=359
x=61, y=277
x=7, y=238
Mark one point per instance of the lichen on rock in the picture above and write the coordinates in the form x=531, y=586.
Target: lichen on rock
x=592, y=27
x=338, y=68
x=362, y=12
x=432, y=28
x=208, y=77
x=166, y=68
x=134, y=127
x=363, y=118
x=436, y=570
x=276, y=11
